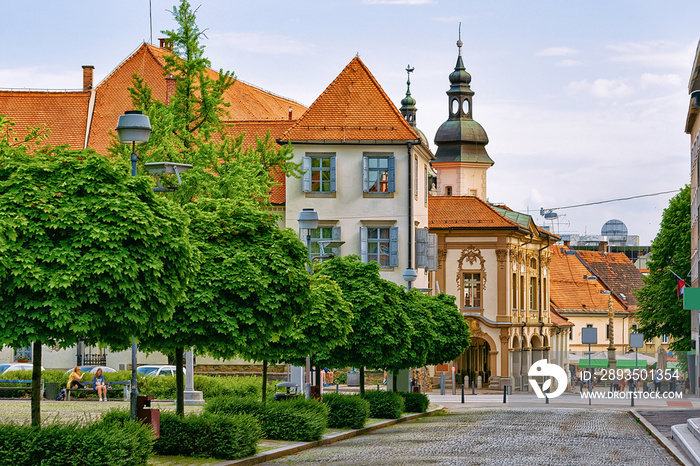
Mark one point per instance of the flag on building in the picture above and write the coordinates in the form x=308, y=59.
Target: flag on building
x=680, y=286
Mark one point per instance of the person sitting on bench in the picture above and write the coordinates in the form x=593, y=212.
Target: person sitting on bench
x=74, y=379
x=99, y=385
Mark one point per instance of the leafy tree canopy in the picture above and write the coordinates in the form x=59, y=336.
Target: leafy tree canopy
x=91, y=252
x=452, y=335
x=250, y=289
x=192, y=128
x=661, y=311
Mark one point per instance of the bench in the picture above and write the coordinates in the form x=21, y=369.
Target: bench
x=25, y=385
x=124, y=387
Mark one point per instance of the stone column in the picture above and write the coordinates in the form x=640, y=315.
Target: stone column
x=191, y=397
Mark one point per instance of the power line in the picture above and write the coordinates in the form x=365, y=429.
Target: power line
x=608, y=200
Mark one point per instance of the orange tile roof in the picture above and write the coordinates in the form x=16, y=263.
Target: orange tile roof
x=247, y=102
x=465, y=212
x=569, y=291
x=65, y=114
x=559, y=320
x=617, y=272
x=352, y=108
x=253, y=129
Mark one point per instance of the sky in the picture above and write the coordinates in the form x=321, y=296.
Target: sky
x=582, y=101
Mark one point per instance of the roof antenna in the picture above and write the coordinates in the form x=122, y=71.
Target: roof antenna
x=459, y=40
x=357, y=55
x=150, y=20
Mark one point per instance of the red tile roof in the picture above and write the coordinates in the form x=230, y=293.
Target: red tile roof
x=465, y=212
x=617, y=272
x=64, y=113
x=569, y=291
x=559, y=320
x=352, y=108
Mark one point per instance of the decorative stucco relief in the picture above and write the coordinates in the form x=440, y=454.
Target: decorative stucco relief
x=472, y=256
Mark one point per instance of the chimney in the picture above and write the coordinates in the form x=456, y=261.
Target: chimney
x=603, y=246
x=169, y=88
x=290, y=113
x=166, y=43
x=87, y=77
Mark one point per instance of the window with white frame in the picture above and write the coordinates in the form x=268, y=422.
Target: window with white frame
x=381, y=245
x=471, y=288
x=320, y=251
x=378, y=173
x=664, y=338
x=319, y=173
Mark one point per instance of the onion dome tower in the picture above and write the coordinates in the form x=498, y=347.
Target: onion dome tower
x=408, y=108
x=461, y=157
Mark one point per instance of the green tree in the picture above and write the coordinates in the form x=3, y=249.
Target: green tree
x=452, y=335
x=381, y=327
x=250, y=289
x=661, y=311
x=192, y=129
x=91, y=253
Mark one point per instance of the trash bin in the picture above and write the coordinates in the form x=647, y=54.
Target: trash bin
x=145, y=414
x=353, y=378
x=51, y=390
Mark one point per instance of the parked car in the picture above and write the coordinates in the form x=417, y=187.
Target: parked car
x=16, y=367
x=157, y=370
x=92, y=369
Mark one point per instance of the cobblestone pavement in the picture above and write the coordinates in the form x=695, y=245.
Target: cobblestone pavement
x=504, y=436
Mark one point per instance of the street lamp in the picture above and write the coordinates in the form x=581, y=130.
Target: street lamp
x=308, y=220
x=133, y=127
x=410, y=275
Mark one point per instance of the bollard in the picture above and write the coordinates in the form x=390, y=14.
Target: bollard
x=632, y=398
x=377, y=386
x=505, y=389
x=462, y=393
x=336, y=387
x=473, y=393
x=442, y=383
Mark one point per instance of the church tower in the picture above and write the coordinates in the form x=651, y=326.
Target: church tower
x=461, y=157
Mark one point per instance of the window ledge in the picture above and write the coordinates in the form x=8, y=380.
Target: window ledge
x=320, y=195
x=377, y=195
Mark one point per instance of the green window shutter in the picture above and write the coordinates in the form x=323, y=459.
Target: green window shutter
x=363, y=244
x=306, y=177
x=392, y=174
x=394, y=247
x=333, y=174
x=365, y=174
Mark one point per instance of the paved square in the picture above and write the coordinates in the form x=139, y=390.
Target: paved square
x=502, y=436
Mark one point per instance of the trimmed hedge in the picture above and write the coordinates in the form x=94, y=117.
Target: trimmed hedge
x=415, y=402
x=384, y=405
x=208, y=435
x=296, y=420
x=110, y=443
x=346, y=411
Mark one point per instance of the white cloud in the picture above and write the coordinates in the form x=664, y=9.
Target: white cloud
x=397, y=2
x=649, y=80
x=260, y=43
x=569, y=63
x=653, y=53
x=557, y=52
x=602, y=88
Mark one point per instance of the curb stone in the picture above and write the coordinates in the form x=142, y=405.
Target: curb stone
x=301, y=446
x=661, y=438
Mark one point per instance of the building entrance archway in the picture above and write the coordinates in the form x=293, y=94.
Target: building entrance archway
x=475, y=360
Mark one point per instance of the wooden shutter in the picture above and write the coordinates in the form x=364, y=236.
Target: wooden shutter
x=335, y=236
x=363, y=244
x=306, y=177
x=333, y=174
x=421, y=248
x=392, y=174
x=432, y=262
x=394, y=247
x=365, y=174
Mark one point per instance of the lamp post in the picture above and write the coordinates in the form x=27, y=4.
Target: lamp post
x=133, y=127
x=308, y=220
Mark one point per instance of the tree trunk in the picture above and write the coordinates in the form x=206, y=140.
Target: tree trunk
x=395, y=381
x=179, y=382
x=362, y=380
x=264, y=381
x=36, y=384
x=318, y=381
